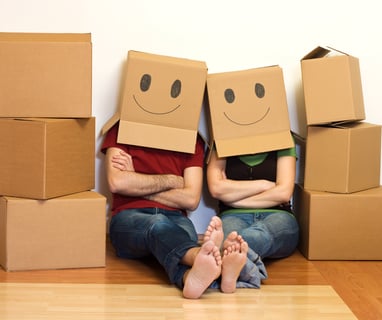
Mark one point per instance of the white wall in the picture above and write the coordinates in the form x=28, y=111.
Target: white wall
x=228, y=35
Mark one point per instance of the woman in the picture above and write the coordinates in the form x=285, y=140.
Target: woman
x=254, y=193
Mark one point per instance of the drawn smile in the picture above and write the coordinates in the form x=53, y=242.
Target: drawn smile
x=247, y=123
x=152, y=112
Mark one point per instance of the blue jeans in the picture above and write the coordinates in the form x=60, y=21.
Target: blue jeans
x=167, y=235
x=271, y=234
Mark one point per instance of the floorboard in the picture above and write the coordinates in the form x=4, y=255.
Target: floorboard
x=56, y=301
x=358, y=284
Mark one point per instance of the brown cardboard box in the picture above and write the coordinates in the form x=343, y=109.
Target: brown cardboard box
x=65, y=232
x=43, y=158
x=45, y=75
x=249, y=111
x=301, y=152
x=339, y=226
x=161, y=102
x=332, y=87
x=344, y=158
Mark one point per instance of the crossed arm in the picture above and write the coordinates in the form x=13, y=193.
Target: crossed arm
x=180, y=192
x=251, y=193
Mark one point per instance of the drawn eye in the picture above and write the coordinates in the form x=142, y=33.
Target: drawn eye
x=145, y=82
x=259, y=90
x=176, y=88
x=229, y=95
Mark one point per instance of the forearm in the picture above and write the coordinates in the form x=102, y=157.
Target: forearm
x=175, y=198
x=135, y=184
x=231, y=191
x=272, y=197
x=186, y=197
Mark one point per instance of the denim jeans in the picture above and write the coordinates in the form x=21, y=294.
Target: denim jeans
x=270, y=234
x=167, y=235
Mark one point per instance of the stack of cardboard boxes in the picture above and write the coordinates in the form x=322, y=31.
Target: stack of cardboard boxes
x=338, y=197
x=49, y=216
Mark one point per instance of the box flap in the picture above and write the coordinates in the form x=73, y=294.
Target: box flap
x=347, y=125
x=44, y=37
x=152, y=136
x=110, y=123
x=180, y=134
x=320, y=52
x=254, y=144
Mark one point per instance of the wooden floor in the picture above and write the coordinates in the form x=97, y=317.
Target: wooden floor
x=296, y=289
x=129, y=301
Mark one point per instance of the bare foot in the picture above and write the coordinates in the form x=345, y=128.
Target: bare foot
x=214, y=232
x=234, y=258
x=206, y=268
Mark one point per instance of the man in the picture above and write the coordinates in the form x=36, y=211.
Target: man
x=155, y=181
x=152, y=191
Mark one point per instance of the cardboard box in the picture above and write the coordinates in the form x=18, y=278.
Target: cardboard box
x=45, y=75
x=344, y=158
x=300, y=162
x=249, y=111
x=337, y=226
x=161, y=102
x=44, y=158
x=332, y=87
x=65, y=232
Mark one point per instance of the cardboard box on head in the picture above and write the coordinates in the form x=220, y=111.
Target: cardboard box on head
x=161, y=102
x=249, y=112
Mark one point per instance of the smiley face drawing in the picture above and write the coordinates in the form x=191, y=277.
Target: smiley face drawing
x=246, y=108
x=174, y=93
x=230, y=97
x=163, y=90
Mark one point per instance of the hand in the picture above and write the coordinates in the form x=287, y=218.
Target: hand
x=123, y=161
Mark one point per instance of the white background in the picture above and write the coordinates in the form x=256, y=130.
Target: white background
x=227, y=35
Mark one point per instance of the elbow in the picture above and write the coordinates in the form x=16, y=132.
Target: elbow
x=217, y=194
x=285, y=199
x=113, y=185
x=285, y=196
x=192, y=207
x=192, y=203
x=214, y=191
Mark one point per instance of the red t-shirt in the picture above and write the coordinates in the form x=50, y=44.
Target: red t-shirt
x=151, y=161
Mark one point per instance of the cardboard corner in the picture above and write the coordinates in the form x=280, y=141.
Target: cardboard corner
x=110, y=123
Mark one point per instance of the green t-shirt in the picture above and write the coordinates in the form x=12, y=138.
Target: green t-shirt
x=255, y=159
